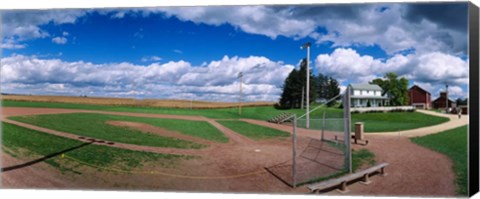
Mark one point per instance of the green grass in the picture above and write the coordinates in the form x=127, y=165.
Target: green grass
x=252, y=131
x=94, y=125
x=452, y=143
x=374, y=122
x=23, y=142
x=362, y=157
x=395, y=121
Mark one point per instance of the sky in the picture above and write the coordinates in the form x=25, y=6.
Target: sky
x=196, y=53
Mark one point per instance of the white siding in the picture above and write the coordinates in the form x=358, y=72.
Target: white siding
x=366, y=93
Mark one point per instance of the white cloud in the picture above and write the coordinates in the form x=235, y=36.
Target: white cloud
x=439, y=67
x=393, y=27
x=65, y=34
x=11, y=44
x=59, y=40
x=250, y=19
x=25, y=25
x=431, y=71
x=178, y=51
x=345, y=25
x=347, y=64
x=215, y=81
x=151, y=58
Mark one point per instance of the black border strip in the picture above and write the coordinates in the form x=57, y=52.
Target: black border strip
x=473, y=26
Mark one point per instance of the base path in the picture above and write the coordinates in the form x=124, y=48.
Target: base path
x=414, y=170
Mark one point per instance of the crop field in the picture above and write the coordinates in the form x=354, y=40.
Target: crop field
x=130, y=101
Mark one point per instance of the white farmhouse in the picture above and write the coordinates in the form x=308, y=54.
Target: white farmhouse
x=364, y=94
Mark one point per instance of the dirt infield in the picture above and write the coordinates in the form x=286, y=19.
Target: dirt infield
x=234, y=166
x=413, y=170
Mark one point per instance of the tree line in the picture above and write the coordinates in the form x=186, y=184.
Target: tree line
x=326, y=87
x=294, y=88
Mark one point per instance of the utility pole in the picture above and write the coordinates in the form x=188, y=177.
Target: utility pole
x=240, y=75
x=307, y=45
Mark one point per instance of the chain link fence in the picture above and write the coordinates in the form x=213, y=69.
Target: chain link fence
x=320, y=147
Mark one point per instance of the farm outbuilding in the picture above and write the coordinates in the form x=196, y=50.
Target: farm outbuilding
x=419, y=97
x=440, y=102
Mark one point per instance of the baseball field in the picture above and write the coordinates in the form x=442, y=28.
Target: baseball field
x=65, y=145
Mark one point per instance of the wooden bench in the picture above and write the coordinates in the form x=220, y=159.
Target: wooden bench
x=342, y=181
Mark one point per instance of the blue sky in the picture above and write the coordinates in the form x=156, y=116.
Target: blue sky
x=196, y=52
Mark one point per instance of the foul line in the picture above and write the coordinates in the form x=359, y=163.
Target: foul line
x=164, y=174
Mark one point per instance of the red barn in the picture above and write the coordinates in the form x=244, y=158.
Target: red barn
x=440, y=102
x=419, y=97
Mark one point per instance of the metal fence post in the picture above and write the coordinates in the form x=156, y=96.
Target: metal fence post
x=294, y=151
x=346, y=139
x=323, y=126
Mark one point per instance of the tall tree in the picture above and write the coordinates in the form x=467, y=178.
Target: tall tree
x=289, y=96
x=328, y=87
x=303, y=80
x=292, y=88
x=332, y=90
x=396, y=89
x=321, y=85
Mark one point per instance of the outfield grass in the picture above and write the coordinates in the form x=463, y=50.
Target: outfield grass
x=374, y=122
x=94, y=125
x=252, y=131
x=452, y=143
x=395, y=121
x=20, y=141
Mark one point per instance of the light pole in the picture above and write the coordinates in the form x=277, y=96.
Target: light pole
x=240, y=75
x=307, y=92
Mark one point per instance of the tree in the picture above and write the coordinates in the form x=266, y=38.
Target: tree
x=289, y=97
x=461, y=101
x=396, y=89
x=293, y=85
x=303, y=81
x=333, y=89
x=328, y=88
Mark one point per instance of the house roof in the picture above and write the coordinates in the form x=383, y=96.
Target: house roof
x=366, y=87
x=419, y=88
x=443, y=98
